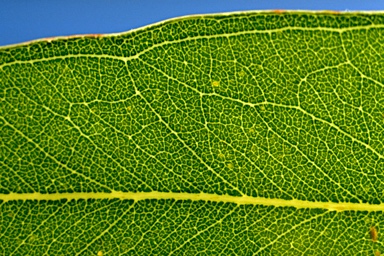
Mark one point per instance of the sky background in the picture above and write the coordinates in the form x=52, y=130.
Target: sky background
x=24, y=20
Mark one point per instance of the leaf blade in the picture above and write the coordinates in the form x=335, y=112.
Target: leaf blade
x=170, y=139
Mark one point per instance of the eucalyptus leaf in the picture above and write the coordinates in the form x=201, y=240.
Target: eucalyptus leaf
x=257, y=133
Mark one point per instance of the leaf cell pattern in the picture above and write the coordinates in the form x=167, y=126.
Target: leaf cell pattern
x=268, y=105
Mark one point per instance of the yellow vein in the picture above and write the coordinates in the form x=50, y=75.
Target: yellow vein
x=191, y=39
x=239, y=200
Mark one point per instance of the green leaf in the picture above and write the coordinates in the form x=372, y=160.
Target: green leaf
x=254, y=133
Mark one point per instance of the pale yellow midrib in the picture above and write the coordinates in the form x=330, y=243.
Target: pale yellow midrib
x=240, y=200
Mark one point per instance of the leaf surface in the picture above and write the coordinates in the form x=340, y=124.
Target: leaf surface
x=254, y=133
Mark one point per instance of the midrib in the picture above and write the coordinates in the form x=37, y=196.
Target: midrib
x=241, y=200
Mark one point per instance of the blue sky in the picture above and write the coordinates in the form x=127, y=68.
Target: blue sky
x=23, y=20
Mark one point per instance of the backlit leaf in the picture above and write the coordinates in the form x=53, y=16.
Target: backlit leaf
x=254, y=133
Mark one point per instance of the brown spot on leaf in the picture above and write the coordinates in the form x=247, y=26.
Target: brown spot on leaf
x=374, y=234
x=278, y=11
